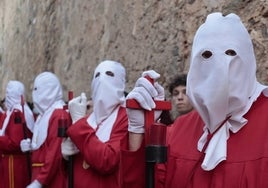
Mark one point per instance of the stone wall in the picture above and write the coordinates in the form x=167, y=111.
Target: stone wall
x=70, y=37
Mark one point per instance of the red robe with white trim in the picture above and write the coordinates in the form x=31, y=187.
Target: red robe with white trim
x=97, y=164
x=13, y=162
x=246, y=165
x=47, y=162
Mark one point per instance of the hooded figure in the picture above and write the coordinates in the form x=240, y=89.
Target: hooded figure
x=14, y=95
x=98, y=135
x=109, y=77
x=13, y=165
x=222, y=81
x=47, y=166
x=47, y=96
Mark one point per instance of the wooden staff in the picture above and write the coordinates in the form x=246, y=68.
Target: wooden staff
x=62, y=128
x=24, y=129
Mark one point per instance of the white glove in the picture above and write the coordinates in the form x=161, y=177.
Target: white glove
x=35, y=184
x=25, y=145
x=77, y=107
x=68, y=148
x=144, y=93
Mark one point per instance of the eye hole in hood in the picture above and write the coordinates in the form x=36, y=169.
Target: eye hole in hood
x=230, y=52
x=206, y=54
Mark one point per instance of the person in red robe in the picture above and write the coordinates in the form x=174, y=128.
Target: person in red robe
x=95, y=138
x=48, y=168
x=223, y=142
x=14, y=165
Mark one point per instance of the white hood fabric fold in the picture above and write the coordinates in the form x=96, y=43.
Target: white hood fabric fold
x=47, y=96
x=13, y=100
x=107, y=88
x=222, y=81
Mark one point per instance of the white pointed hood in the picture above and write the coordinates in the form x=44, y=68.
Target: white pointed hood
x=222, y=81
x=107, y=88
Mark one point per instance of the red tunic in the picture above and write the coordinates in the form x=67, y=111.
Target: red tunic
x=47, y=162
x=13, y=163
x=97, y=164
x=247, y=154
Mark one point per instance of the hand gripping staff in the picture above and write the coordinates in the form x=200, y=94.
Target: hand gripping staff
x=155, y=136
x=19, y=120
x=63, y=124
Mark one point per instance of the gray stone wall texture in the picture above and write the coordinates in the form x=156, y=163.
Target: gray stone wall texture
x=70, y=37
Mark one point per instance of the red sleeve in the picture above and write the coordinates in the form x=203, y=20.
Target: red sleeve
x=132, y=167
x=10, y=142
x=53, y=158
x=2, y=118
x=103, y=157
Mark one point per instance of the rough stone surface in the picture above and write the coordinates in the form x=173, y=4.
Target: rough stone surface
x=70, y=37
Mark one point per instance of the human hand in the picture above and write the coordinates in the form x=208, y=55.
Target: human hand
x=68, y=148
x=77, y=107
x=35, y=184
x=144, y=93
x=25, y=145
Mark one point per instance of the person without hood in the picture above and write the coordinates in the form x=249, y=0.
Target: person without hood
x=95, y=138
x=47, y=164
x=180, y=101
x=14, y=167
x=223, y=143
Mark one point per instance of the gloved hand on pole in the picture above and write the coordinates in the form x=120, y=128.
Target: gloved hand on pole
x=25, y=145
x=68, y=148
x=77, y=107
x=144, y=94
